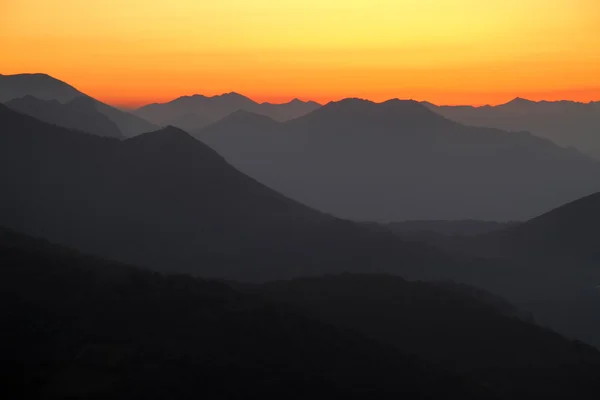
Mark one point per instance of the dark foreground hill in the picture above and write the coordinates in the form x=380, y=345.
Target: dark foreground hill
x=454, y=326
x=80, y=327
x=397, y=160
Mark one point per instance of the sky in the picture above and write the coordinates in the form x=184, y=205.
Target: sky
x=133, y=52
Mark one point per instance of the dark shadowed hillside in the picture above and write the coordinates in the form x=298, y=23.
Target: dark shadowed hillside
x=454, y=328
x=568, y=233
x=81, y=327
x=400, y=161
x=567, y=123
x=77, y=114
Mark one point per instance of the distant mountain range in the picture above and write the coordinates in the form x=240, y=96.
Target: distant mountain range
x=567, y=123
x=80, y=110
x=197, y=111
x=397, y=160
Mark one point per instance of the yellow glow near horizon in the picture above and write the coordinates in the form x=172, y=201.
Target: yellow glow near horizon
x=462, y=51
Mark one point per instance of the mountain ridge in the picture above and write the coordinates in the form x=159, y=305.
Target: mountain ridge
x=389, y=161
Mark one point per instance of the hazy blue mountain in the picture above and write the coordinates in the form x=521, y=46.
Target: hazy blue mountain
x=41, y=86
x=398, y=160
x=80, y=327
x=567, y=123
x=46, y=87
x=78, y=114
x=454, y=326
x=195, y=112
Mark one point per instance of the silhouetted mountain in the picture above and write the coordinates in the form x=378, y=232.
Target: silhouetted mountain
x=453, y=328
x=45, y=87
x=80, y=327
x=41, y=86
x=77, y=114
x=567, y=123
x=207, y=110
x=167, y=201
x=398, y=160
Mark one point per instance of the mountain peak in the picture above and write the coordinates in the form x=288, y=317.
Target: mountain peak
x=520, y=101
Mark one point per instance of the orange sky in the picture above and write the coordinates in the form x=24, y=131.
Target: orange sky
x=131, y=52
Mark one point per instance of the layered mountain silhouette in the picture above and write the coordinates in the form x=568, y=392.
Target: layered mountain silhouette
x=397, y=160
x=453, y=326
x=45, y=87
x=81, y=327
x=167, y=201
x=42, y=86
x=567, y=123
x=197, y=111
x=79, y=114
